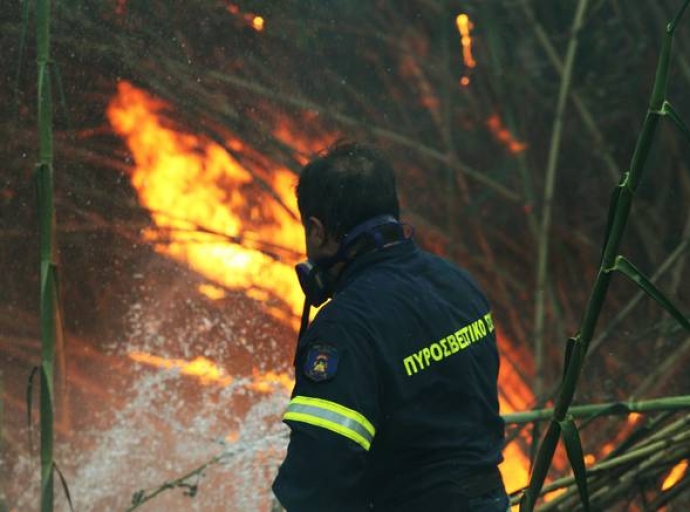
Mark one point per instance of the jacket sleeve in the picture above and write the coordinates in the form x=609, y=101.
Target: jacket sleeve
x=332, y=416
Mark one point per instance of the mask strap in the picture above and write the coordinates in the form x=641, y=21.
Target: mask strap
x=326, y=263
x=305, y=318
x=303, y=326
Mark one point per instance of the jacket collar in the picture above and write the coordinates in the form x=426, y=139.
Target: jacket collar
x=365, y=261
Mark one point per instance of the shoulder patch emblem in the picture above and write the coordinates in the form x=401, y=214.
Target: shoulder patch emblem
x=321, y=362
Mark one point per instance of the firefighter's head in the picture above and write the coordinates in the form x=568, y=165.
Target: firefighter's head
x=346, y=185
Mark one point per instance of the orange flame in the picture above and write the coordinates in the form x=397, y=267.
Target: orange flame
x=194, y=189
x=258, y=23
x=675, y=475
x=291, y=131
x=504, y=136
x=205, y=369
x=514, y=395
x=464, y=27
x=634, y=417
x=270, y=381
x=551, y=495
x=514, y=468
x=255, y=21
x=212, y=292
x=209, y=373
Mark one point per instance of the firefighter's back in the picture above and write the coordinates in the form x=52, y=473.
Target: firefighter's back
x=440, y=436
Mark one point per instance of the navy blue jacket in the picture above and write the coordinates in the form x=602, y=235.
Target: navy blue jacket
x=395, y=397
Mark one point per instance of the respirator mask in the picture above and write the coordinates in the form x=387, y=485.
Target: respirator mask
x=318, y=284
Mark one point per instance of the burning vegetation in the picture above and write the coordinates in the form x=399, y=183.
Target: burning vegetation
x=176, y=157
x=205, y=208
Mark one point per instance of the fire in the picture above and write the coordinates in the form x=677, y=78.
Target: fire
x=464, y=27
x=675, y=475
x=286, y=129
x=514, y=395
x=195, y=191
x=270, y=381
x=504, y=136
x=255, y=21
x=210, y=214
x=258, y=23
x=204, y=369
x=212, y=292
x=514, y=468
x=553, y=494
x=634, y=417
x=209, y=373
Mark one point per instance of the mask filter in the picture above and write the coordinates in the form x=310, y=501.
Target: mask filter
x=315, y=281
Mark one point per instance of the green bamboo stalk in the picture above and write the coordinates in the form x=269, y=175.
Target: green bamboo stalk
x=545, y=225
x=670, y=430
x=654, y=462
x=580, y=106
x=49, y=310
x=639, y=462
x=585, y=114
x=619, y=212
x=673, y=403
x=663, y=371
x=627, y=309
x=623, y=312
x=674, y=435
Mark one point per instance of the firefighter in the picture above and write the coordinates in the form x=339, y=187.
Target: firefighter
x=395, y=404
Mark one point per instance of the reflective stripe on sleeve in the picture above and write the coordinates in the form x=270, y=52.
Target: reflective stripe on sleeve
x=333, y=417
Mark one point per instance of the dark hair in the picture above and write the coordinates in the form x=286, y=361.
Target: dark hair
x=346, y=185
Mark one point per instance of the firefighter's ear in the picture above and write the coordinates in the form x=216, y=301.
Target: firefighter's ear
x=315, y=232
x=315, y=235
x=320, y=243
